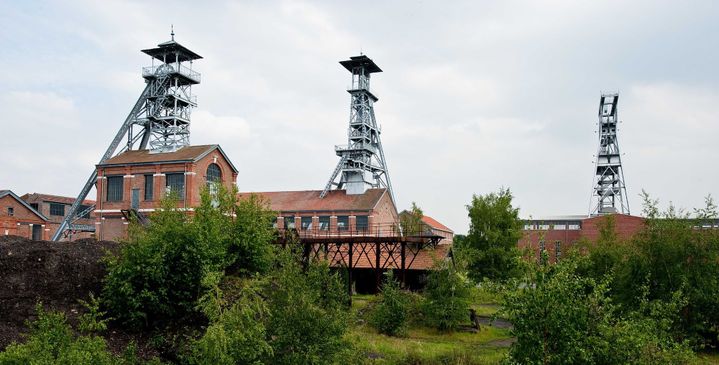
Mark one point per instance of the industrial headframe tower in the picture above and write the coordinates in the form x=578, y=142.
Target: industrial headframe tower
x=362, y=164
x=160, y=119
x=610, y=189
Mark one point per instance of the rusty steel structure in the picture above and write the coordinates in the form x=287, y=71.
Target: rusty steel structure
x=378, y=247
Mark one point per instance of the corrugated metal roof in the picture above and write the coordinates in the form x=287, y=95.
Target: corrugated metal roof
x=309, y=200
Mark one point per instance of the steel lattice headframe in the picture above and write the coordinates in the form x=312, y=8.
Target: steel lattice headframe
x=609, y=190
x=362, y=163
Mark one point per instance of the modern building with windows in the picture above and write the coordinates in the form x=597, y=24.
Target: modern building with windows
x=18, y=218
x=55, y=208
x=133, y=183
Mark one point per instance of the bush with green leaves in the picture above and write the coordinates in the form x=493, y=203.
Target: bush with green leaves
x=52, y=341
x=391, y=312
x=671, y=253
x=561, y=317
x=236, y=334
x=157, y=276
x=447, y=297
x=307, y=313
x=490, y=247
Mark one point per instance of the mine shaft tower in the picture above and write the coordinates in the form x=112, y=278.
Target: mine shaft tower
x=362, y=164
x=159, y=120
x=610, y=190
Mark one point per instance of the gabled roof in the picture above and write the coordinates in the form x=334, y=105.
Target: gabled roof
x=53, y=198
x=433, y=223
x=4, y=193
x=148, y=157
x=309, y=200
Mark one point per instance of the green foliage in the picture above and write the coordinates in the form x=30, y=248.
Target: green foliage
x=672, y=253
x=236, y=334
x=562, y=317
x=390, y=314
x=94, y=320
x=447, y=298
x=490, y=247
x=411, y=221
x=52, y=341
x=307, y=320
x=157, y=277
x=158, y=274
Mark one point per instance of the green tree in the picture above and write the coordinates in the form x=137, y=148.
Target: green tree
x=490, y=247
x=564, y=318
x=236, y=334
x=391, y=312
x=447, y=297
x=410, y=220
x=307, y=313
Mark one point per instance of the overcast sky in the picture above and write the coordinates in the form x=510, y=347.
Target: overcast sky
x=474, y=95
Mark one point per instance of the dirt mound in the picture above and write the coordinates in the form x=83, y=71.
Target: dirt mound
x=54, y=273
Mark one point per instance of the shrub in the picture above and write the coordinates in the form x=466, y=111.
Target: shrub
x=307, y=313
x=157, y=277
x=236, y=334
x=390, y=314
x=561, y=318
x=447, y=297
x=52, y=341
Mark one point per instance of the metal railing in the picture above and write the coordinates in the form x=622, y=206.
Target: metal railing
x=165, y=69
x=372, y=230
x=356, y=147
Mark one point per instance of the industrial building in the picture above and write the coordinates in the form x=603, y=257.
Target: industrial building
x=56, y=208
x=18, y=218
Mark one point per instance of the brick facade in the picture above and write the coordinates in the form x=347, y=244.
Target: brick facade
x=141, y=169
x=19, y=219
x=558, y=235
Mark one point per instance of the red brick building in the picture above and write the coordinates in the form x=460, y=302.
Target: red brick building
x=336, y=212
x=56, y=207
x=136, y=181
x=558, y=234
x=18, y=218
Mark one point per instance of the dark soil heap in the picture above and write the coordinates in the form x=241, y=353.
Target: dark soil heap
x=54, y=273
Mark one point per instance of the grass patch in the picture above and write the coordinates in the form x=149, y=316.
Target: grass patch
x=708, y=358
x=424, y=345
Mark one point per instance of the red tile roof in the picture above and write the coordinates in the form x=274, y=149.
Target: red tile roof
x=309, y=200
x=35, y=197
x=146, y=157
x=433, y=223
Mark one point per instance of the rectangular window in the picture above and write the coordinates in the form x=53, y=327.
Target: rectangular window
x=175, y=184
x=574, y=227
x=557, y=250
x=290, y=222
x=362, y=222
x=324, y=223
x=57, y=209
x=35, y=206
x=10, y=211
x=343, y=222
x=149, y=186
x=114, y=188
x=306, y=223
x=559, y=227
x=83, y=208
x=543, y=227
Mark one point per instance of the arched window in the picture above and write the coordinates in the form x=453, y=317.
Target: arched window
x=214, y=174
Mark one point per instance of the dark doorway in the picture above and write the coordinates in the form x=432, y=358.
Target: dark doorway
x=36, y=232
x=135, y=202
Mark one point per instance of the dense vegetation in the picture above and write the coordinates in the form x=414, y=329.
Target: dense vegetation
x=238, y=299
